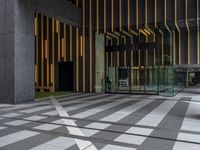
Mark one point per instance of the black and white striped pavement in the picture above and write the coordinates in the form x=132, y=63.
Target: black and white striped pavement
x=102, y=122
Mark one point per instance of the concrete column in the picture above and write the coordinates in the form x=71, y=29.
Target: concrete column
x=7, y=91
x=24, y=49
x=16, y=51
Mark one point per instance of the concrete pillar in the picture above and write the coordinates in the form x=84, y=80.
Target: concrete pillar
x=16, y=51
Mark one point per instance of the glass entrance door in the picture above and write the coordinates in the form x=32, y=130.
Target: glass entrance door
x=135, y=76
x=137, y=80
x=123, y=79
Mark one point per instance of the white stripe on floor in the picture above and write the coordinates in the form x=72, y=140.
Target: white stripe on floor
x=38, y=108
x=10, y=115
x=130, y=139
x=37, y=104
x=115, y=147
x=125, y=111
x=140, y=131
x=70, y=108
x=24, y=106
x=72, y=130
x=191, y=121
x=16, y=137
x=156, y=116
x=5, y=105
x=47, y=127
x=22, y=122
x=189, y=137
x=80, y=97
x=16, y=122
x=1, y=128
x=115, y=117
x=60, y=143
x=35, y=118
x=186, y=146
x=134, y=139
x=101, y=108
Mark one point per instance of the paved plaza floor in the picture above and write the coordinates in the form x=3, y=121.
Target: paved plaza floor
x=103, y=122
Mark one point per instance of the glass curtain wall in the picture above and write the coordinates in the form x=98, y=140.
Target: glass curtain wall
x=131, y=64
x=142, y=62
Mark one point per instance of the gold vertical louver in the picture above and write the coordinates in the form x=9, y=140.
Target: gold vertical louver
x=104, y=16
x=58, y=33
x=128, y=14
x=162, y=47
x=53, y=57
x=155, y=13
x=42, y=51
x=70, y=32
x=137, y=21
x=47, y=49
x=120, y=15
x=112, y=15
x=179, y=37
x=64, y=49
x=169, y=30
x=174, y=47
x=36, y=51
x=188, y=29
x=97, y=16
x=146, y=13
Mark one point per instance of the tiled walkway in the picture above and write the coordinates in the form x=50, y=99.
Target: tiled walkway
x=103, y=122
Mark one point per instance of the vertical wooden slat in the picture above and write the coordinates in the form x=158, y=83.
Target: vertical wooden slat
x=53, y=57
x=97, y=16
x=188, y=29
x=59, y=42
x=155, y=13
x=47, y=51
x=137, y=21
x=64, y=44
x=104, y=16
x=120, y=15
x=36, y=55
x=71, y=53
x=42, y=51
x=128, y=14
x=112, y=15
x=179, y=37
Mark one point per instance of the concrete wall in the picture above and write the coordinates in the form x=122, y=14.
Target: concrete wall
x=63, y=10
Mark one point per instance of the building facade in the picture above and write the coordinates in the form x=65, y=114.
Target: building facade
x=125, y=46
x=117, y=46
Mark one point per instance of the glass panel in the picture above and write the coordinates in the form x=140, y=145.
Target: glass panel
x=123, y=79
x=99, y=64
x=111, y=82
x=110, y=73
x=136, y=81
x=180, y=76
x=144, y=65
x=151, y=73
